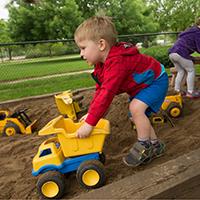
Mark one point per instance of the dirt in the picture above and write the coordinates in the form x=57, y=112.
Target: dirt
x=17, y=152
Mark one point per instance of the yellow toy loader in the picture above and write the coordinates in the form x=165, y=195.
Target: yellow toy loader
x=173, y=105
x=17, y=122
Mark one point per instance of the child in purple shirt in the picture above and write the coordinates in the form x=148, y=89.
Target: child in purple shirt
x=180, y=54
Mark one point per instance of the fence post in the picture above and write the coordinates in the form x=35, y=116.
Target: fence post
x=10, y=53
x=146, y=43
x=1, y=55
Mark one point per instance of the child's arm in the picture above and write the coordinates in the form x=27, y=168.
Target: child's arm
x=113, y=78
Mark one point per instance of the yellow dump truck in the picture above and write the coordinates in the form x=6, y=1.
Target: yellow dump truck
x=66, y=153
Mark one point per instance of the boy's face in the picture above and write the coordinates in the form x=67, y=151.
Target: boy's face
x=90, y=51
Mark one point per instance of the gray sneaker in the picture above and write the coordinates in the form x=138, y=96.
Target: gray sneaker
x=158, y=149
x=138, y=154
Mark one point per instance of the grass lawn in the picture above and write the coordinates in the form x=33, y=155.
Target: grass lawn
x=44, y=66
x=39, y=67
x=46, y=86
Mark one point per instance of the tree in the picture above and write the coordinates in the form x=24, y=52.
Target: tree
x=4, y=38
x=132, y=17
x=92, y=7
x=86, y=7
x=4, y=33
x=47, y=19
x=129, y=16
x=175, y=15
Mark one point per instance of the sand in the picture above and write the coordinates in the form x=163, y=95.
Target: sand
x=17, y=152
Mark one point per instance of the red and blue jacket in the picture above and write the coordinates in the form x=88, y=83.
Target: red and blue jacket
x=125, y=70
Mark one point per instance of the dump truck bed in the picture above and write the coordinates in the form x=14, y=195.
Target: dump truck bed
x=65, y=129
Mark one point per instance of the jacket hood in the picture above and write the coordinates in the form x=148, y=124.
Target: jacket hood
x=123, y=48
x=193, y=29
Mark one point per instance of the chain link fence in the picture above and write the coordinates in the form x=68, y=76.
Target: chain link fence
x=40, y=67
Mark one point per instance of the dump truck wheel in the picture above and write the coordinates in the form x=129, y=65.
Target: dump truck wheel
x=174, y=110
x=51, y=185
x=91, y=174
x=11, y=129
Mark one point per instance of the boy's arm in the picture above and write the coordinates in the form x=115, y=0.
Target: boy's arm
x=113, y=78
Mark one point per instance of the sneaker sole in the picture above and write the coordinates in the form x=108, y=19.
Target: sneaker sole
x=130, y=165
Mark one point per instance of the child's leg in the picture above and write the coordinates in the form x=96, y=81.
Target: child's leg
x=172, y=82
x=190, y=81
x=184, y=81
x=147, y=146
x=145, y=132
x=147, y=100
x=183, y=66
x=179, y=78
x=189, y=68
x=142, y=150
x=173, y=72
x=153, y=136
x=141, y=121
x=174, y=57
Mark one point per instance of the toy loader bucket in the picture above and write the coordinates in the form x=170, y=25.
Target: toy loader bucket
x=65, y=129
x=30, y=128
x=66, y=105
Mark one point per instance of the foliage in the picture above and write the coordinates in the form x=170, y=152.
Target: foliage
x=129, y=16
x=132, y=17
x=47, y=49
x=89, y=7
x=48, y=19
x=160, y=53
x=175, y=15
x=4, y=36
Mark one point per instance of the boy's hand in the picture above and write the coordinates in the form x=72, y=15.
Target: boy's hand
x=84, y=131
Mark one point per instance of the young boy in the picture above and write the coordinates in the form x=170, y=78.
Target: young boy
x=119, y=67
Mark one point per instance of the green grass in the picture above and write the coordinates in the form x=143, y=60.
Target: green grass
x=44, y=66
x=45, y=86
x=40, y=67
x=197, y=68
x=51, y=85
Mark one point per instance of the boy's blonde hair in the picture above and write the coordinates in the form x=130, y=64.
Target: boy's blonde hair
x=96, y=28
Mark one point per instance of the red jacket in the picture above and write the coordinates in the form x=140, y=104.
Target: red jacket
x=125, y=70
